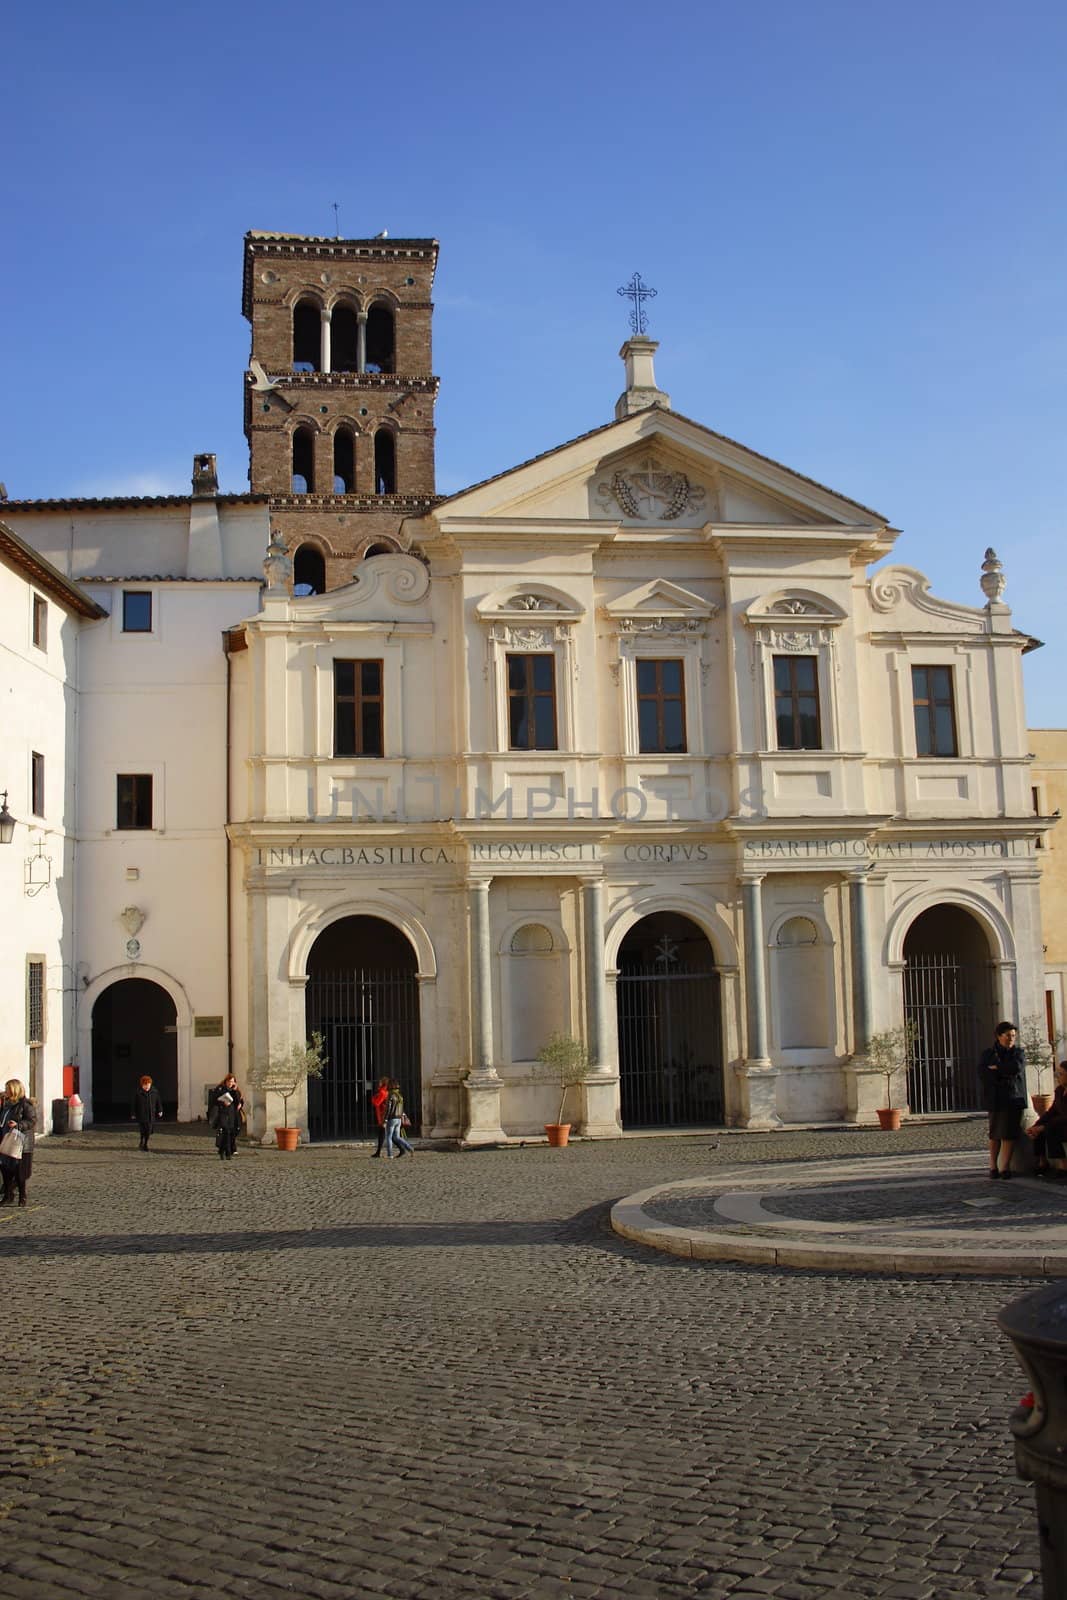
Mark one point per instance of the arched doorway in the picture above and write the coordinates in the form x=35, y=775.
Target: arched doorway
x=363, y=997
x=134, y=1032
x=670, y=1026
x=949, y=1000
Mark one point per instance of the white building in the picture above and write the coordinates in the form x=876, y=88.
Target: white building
x=627, y=742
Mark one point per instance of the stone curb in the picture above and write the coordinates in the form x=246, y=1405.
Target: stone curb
x=631, y=1221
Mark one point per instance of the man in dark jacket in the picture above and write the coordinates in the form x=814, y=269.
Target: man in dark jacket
x=1002, y=1079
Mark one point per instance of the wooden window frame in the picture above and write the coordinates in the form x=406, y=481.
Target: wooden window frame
x=929, y=705
x=529, y=695
x=793, y=694
x=659, y=698
x=134, y=805
x=37, y=783
x=358, y=700
x=39, y=628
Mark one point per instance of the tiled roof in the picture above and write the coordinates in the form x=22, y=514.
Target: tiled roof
x=721, y=437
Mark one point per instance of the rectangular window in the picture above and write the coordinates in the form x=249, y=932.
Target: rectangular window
x=532, y=702
x=796, y=703
x=133, y=800
x=37, y=783
x=34, y=1001
x=40, y=622
x=660, y=707
x=136, y=611
x=358, y=711
x=1035, y=801
x=935, y=711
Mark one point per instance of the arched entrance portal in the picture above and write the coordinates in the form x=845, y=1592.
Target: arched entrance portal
x=949, y=1000
x=134, y=1032
x=363, y=997
x=670, y=1026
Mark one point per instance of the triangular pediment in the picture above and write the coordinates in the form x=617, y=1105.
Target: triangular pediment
x=656, y=471
x=660, y=598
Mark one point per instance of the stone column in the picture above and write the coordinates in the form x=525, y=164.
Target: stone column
x=325, y=357
x=758, y=1077
x=600, y=1098
x=483, y=1082
x=865, y=1089
x=361, y=341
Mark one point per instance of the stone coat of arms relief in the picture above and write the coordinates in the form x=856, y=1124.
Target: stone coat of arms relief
x=651, y=493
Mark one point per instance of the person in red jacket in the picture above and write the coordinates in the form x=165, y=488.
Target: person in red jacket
x=1049, y=1133
x=378, y=1100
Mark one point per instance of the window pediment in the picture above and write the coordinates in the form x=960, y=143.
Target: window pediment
x=660, y=608
x=530, y=603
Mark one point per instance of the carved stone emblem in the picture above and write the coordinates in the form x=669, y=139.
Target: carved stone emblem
x=793, y=608
x=651, y=494
x=531, y=602
x=132, y=919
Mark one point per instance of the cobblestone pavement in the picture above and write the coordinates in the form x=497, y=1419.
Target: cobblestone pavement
x=327, y=1376
x=926, y=1212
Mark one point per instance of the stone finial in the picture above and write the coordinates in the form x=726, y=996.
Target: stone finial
x=994, y=582
x=641, y=392
x=205, y=475
x=278, y=564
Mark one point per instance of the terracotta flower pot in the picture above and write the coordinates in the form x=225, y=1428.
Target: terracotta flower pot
x=889, y=1118
x=287, y=1138
x=558, y=1133
x=1041, y=1102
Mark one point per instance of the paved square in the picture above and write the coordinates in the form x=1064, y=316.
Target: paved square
x=328, y=1376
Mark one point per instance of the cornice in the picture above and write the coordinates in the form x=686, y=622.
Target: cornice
x=416, y=383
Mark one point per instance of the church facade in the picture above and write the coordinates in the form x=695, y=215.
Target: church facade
x=628, y=743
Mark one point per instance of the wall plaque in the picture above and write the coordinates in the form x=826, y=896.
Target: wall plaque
x=207, y=1027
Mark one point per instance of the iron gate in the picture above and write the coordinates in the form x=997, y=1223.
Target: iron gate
x=950, y=1005
x=670, y=1046
x=369, y=1021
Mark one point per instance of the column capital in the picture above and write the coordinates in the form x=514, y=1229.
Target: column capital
x=478, y=883
x=744, y=877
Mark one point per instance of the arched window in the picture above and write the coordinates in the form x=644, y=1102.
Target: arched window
x=796, y=932
x=344, y=462
x=303, y=461
x=378, y=550
x=307, y=336
x=344, y=340
x=309, y=571
x=384, y=462
x=380, y=342
x=532, y=939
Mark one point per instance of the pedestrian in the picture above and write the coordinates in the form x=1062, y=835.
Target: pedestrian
x=378, y=1098
x=18, y=1118
x=1002, y=1078
x=147, y=1109
x=224, y=1118
x=396, y=1120
x=1049, y=1133
x=232, y=1124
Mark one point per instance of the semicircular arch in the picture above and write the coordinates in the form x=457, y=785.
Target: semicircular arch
x=990, y=918
x=714, y=927
x=388, y=908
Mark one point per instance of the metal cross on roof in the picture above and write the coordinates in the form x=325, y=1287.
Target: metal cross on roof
x=637, y=291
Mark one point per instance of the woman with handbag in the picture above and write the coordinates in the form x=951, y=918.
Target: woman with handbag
x=18, y=1118
x=396, y=1119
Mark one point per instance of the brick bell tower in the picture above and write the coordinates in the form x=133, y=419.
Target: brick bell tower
x=339, y=395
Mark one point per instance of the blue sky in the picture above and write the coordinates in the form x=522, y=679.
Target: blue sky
x=854, y=217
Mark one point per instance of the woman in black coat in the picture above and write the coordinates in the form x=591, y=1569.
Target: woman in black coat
x=147, y=1109
x=1002, y=1079
x=1049, y=1132
x=17, y=1111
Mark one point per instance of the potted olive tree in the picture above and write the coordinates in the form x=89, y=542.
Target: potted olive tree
x=889, y=1052
x=566, y=1062
x=283, y=1073
x=1040, y=1052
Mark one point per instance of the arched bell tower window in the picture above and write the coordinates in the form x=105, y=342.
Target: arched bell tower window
x=303, y=461
x=344, y=461
x=380, y=340
x=384, y=462
x=307, y=337
x=378, y=550
x=344, y=340
x=309, y=571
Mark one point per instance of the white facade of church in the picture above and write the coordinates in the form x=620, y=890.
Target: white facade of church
x=627, y=743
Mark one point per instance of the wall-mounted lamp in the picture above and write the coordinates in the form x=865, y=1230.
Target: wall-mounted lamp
x=7, y=821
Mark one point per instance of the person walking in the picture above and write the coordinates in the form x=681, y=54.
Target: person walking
x=232, y=1124
x=1049, y=1133
x=18, y=1119
x=396, y=1120
x=147, y=1109
x=225, y=1118
x=1002, y=1079
x=378, y=1098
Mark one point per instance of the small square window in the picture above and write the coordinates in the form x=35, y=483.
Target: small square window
x=133, y=808
x=40, y=622
x=136, y=611
x=37, y=783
